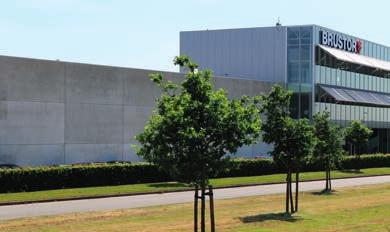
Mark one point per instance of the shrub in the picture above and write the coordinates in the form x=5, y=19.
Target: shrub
x=87, y=175
x=43, y=178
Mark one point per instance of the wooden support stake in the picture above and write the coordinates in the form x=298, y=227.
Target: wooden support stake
x=203, y=209
x=212, y=218
x=196, y=209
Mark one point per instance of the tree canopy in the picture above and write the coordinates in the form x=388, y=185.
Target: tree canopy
x=292, y=140
x=328, y=149
x=194, y=126
x=358, y=134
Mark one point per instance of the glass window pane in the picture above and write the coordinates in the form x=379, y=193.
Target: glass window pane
x=293, y=72
x=305, y=72
x=305, y=53
x=293, y=53
x=293, y=32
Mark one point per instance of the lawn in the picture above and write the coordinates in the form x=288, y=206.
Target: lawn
x=171, y=186
x=365, y=209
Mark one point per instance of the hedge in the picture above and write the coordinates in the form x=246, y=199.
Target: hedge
x=45, y=178
x=72, y=176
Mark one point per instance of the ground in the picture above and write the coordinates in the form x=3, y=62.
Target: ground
x=171, y=186
x=365, y=208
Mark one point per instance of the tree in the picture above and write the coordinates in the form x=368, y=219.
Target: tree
x=302, y=142
x=357, y=134
x=328, y=150
x=194, y=127
x=292, y=139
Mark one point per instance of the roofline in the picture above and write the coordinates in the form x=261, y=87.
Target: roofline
x=286, y=26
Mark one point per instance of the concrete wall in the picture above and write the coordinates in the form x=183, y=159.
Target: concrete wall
x=54, y=112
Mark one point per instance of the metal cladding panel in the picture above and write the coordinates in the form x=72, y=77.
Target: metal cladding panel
x=253, y=53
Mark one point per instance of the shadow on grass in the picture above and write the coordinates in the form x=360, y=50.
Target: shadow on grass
x=324, y=192
x=352, y=171
x=168, y=185
x=286, y=217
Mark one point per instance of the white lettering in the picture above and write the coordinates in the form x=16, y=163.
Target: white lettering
x=353, y=46
x=338, y=41
x=349, y=46
x=324, y=37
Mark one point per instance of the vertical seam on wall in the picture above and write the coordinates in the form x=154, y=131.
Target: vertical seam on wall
x=123, y=115
x=65, y=107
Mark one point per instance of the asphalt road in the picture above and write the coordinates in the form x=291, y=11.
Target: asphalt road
x=113, y=203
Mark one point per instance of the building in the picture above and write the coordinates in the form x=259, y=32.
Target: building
x=326, y=70
x=54, y=112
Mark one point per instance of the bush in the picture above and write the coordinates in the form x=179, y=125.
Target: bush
x=366, y=161
x=44, y=178
x=72, y=176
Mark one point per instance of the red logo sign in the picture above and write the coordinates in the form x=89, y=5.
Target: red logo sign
x=359, y=46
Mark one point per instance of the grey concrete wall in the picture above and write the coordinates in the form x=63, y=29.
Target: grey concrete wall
x=54, y=112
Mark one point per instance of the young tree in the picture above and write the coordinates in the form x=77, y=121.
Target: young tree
x=328, y=150
x=302, y=142
x=193, y=128
x=292, y=139
x=357, y=134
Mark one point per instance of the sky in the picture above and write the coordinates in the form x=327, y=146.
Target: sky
x=145, y=33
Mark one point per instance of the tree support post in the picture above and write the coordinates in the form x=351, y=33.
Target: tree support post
x=212, y=217
x=291, y=196
x=287, y=193
x=196, y=197
x=296, y=190
x=203, y=209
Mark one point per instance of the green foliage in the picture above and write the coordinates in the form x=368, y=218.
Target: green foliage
x=194, y=127
x=328, y=148
x=302, y=141
x=43, y=178
x=275, y=108
x=358, y=134
x=292, y=139
x=365, y=161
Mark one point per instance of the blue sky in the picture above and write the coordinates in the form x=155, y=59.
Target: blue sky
x=145, y=33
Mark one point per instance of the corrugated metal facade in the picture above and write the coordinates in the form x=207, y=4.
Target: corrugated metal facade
x=252, y=53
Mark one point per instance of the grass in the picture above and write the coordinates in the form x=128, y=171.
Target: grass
x=171, y=186
x=364, y=208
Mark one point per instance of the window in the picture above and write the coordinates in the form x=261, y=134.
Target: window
x=299, y=70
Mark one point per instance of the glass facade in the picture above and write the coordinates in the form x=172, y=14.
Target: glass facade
x=327, y=70
x=308, y=66
x=300, y=69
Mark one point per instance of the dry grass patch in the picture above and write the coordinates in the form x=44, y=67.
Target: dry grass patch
x=365, y=208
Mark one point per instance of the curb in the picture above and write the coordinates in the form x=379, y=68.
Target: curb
x=162, y=192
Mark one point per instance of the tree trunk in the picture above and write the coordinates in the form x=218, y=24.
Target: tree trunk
x=212, y=217
x=330, y=182
x=351, y=149
x=196, y=197
x=291, y=196
x=326, y=180
x=203, y=210
x=296, y=190
x=287, y=193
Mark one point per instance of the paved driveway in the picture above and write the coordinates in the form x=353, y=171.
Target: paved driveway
x=113, y=203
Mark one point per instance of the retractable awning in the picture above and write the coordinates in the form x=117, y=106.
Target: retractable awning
x=356, y=58
x=342, y=94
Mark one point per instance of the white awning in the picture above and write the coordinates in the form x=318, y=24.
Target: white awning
x=357, y=59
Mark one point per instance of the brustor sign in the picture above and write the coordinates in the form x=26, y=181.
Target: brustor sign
x=340, y=42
